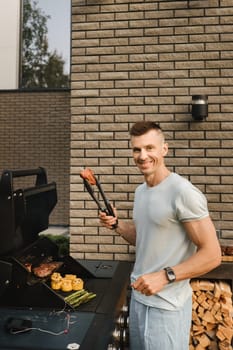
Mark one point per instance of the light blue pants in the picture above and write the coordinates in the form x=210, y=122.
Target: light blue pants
x=158, y=329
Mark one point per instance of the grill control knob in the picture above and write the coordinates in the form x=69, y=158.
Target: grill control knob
x=116, y=334
x=125, y=309
x=112, y=347
x=124, y=336
x=127, y=322
x=121, y=321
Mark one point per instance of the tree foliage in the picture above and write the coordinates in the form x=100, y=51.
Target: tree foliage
x=41, y=68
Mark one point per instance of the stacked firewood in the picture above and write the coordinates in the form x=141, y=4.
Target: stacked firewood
x=212, y=316
x=227, y=253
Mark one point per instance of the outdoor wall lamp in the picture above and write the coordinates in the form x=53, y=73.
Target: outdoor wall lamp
x=199, y=107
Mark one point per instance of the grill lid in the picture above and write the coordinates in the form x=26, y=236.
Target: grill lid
x=24, y=212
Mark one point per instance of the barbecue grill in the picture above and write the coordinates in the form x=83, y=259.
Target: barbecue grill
x=33, y=315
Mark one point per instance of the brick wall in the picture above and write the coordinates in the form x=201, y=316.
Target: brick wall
x=134, y=60
x=35, y=131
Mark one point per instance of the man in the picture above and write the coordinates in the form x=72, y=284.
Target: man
x=175, y=240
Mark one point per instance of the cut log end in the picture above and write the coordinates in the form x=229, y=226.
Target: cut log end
x=212, y=312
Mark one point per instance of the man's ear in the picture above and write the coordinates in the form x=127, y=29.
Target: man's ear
x=165, y=149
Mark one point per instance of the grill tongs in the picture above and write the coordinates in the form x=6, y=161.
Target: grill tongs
x=89, y=179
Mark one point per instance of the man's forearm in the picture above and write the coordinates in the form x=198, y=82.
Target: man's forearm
x=127, y=231
x=197, y=265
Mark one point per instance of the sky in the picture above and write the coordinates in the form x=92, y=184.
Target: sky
x=58, y=26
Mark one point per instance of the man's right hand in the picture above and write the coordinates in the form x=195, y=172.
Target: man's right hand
x=108, y=221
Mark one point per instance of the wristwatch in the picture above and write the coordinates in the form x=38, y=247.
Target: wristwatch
x=170, y=274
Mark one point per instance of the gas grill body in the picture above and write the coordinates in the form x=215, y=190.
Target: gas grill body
x=24, y=214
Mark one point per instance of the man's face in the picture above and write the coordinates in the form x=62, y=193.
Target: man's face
x=149, y=151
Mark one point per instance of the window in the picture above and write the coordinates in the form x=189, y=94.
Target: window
x=45, y=44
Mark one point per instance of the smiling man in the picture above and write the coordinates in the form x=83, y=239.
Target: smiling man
x=175, y=240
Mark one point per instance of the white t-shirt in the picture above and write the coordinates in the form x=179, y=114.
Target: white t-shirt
x=161, y=239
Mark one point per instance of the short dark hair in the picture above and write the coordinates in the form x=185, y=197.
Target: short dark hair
x=142, y=127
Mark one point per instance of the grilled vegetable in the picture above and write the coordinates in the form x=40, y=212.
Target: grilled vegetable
x=77, y=284
x=77, y=298
x=56, y=277
x=66, y=284
x=56, y=285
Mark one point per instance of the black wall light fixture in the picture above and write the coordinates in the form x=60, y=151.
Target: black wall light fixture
x=199, y=107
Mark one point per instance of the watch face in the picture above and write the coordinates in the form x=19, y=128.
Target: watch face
x=170, y=274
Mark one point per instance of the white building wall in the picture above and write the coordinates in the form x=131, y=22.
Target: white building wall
x=9, y=43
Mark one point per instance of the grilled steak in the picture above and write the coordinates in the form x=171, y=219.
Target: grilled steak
x=45, y=269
